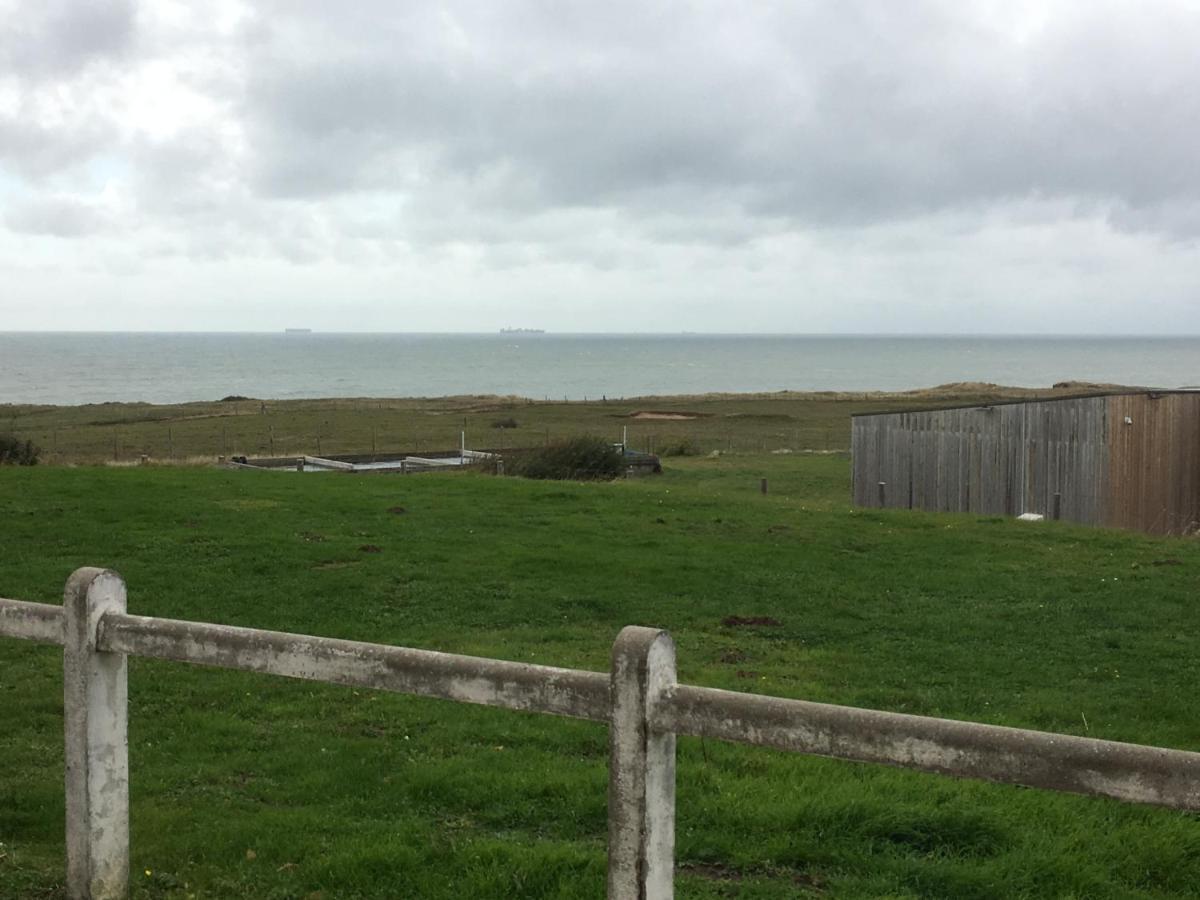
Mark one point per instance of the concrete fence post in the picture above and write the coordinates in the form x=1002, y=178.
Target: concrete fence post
x=641, y=776
x=95, y=694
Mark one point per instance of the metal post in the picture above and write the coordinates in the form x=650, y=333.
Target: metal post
x=95, y=692
x=882, y=494
x=641, y=775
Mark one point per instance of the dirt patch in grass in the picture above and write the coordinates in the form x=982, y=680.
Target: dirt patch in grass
x=747, y=621
x=370, y=548
x=397, y=510
x=666, y=415
x=711, y=871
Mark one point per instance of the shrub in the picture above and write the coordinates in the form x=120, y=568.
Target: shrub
x=685, y=446
x=505, y=423
x=16, y=452
x=234, y=398
x=577, y=459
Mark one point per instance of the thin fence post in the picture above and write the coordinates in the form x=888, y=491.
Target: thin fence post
x=882, y=494
x=641, y=775
x=95, y=694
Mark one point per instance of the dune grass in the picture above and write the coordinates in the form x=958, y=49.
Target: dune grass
x=251, y=786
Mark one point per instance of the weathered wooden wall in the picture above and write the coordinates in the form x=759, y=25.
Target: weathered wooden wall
x=998, y=460
x=1155, y=471
x=1013, y=459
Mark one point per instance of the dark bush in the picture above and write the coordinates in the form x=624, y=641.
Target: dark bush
x=505, y=423
x=234, y=398
x=16, y=452
x=685, y=446
x=578, y=459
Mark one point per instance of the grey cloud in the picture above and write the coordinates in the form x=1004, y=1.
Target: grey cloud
x=36, y=150
x=845, y=114
x=51, y=38
x=62, y=217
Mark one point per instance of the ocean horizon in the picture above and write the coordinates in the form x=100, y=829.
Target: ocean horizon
x=65, y=368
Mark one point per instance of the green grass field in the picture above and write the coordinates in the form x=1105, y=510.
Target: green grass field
x=251, y=786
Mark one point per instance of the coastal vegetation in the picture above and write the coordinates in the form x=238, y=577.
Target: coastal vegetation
x=684, y=425
x=247, y=785
x=17, y=452
x=581, y=458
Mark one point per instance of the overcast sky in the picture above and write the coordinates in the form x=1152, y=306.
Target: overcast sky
x=369, y=165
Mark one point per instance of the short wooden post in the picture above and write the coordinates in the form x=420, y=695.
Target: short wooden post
x=1056, y=513
x=300, y=464
x=762, y=486
x=882, y=494
x=499, y=465
x=95, y=692
x=641, y=773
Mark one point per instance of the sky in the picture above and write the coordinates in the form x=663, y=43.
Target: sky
x=931, y=166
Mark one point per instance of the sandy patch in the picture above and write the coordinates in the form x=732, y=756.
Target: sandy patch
x=665, y=416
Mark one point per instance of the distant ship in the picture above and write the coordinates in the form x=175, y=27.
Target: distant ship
x=522, y=331
x=297, y=331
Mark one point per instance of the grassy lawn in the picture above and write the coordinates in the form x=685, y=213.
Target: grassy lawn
x=251, y=786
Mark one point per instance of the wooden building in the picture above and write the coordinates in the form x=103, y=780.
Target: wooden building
x=1124, y=460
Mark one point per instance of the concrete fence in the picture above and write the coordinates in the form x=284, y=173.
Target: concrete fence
x=639, y=698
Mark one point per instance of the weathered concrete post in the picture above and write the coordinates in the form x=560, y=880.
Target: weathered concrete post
x=641, y=775
x=95, y=693
x=882, y=487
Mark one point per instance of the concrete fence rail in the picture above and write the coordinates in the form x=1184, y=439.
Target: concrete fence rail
x=639, y=698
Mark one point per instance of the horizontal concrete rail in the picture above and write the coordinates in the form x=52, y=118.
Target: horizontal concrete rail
x=639, y=699
x=31, y=621
x=1057, y=762
x=323, y=463
x=427, y=673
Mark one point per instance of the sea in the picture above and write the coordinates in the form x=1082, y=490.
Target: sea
x=73, y=368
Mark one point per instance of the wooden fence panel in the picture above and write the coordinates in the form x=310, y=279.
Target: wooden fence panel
x=995, y=460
